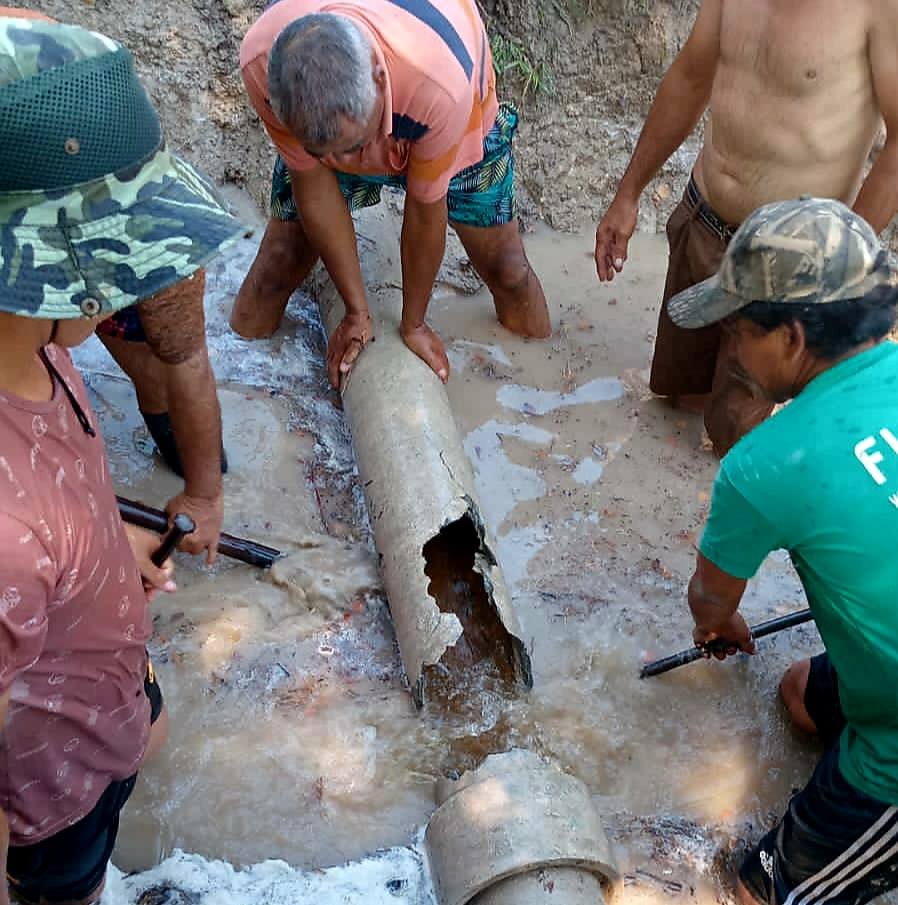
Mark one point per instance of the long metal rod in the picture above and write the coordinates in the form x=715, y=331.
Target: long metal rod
x=658, y=667
x=248, y=551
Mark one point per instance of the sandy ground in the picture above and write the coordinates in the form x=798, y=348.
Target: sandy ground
x=293, y=734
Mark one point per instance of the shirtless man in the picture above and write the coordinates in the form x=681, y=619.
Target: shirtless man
x=796, y=93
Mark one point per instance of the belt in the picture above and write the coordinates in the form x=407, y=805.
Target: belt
x=725, y=231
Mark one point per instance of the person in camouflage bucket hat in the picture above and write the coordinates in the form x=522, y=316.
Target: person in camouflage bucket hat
x=808, y=296
x=97, y=216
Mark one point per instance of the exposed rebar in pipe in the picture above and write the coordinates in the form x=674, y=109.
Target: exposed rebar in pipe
x=418, y=483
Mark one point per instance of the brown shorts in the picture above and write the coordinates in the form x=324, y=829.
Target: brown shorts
x=685, y=360
x=696, y=362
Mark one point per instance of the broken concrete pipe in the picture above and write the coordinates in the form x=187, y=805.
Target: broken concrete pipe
x=517, y=831
x=445, y=588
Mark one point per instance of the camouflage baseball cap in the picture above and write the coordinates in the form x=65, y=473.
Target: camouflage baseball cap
x=95, y=213
x=810, y=251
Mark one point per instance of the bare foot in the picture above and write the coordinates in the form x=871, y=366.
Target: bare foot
x=284, y=260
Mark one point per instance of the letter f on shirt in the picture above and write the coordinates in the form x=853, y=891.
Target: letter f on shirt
x=870, y=458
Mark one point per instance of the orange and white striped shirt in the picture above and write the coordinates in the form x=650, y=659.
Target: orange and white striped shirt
x=440, y=92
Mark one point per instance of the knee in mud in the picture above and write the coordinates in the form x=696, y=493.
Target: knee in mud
x=283, y=242
x=508, y=272
x=792, y=689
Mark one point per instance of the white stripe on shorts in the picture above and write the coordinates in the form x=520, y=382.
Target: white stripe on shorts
x=848, y=861
x=889, y=853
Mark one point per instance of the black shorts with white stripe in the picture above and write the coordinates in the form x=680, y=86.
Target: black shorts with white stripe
x=835, y=846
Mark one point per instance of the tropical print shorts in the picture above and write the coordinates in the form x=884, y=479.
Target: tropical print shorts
x=480, y=195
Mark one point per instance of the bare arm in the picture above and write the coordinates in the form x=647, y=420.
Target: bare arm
x=678, y=106
x=878, y=198
x=196, y=419
x=681, y=100
x=422, y=247
x=328, y=224
x=175, y=328
x=714, y=598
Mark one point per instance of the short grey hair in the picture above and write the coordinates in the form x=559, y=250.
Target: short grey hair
x=319, y=69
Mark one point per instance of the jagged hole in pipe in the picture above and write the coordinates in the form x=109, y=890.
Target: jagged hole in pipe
x=478, y=673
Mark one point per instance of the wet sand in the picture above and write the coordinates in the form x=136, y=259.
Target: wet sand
x=293, y=735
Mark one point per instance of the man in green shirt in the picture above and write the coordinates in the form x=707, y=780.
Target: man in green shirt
x=808, y=296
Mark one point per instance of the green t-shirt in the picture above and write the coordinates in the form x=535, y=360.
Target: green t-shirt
x=820, y=479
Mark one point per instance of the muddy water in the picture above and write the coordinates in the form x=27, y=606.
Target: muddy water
x=293, y=735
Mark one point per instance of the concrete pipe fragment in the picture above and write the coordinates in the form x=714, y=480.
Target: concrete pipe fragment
x=517, y=831
x=445, y=588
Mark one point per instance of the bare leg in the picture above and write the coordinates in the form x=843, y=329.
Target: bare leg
x=284, y=260
x=792, y=691
x=744, y=896
x=146, y=371
x=735, y=405
x=498, y=255
x=158, y=737
x=690, y=402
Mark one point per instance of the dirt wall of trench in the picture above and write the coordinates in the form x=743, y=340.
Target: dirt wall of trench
x=603, y=60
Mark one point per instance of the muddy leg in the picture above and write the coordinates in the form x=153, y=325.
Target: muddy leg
x=792, y=690
x=146, y=371
x=284, y=260
x=689, y=402
x=158, y=737
x=736, y=404
x=744, y=896
x=498, y=255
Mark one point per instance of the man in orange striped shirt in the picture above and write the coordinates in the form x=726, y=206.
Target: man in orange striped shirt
x=360, y=94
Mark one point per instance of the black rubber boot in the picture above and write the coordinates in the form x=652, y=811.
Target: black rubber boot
x=163, y=436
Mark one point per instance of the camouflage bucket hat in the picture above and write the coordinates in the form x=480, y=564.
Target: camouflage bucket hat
x=810, y=251
x=95, y=213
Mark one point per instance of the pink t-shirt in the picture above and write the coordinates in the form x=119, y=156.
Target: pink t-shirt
x=440, y=95
x=74, y=618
